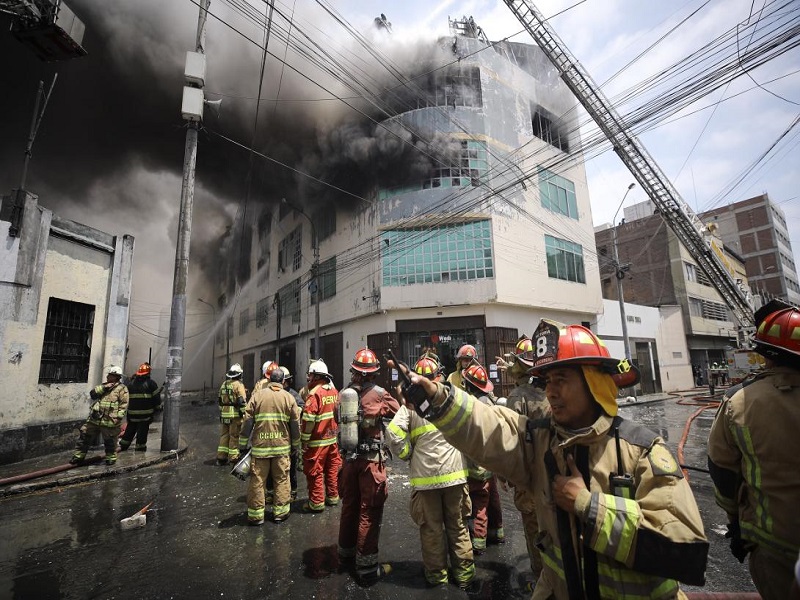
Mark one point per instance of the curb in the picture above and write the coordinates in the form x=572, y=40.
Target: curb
x=26, y=487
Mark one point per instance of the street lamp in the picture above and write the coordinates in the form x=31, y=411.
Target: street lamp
x=314, y=283
x=214, y=347
x=620, y=275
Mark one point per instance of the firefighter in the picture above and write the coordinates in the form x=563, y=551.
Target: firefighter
x=363, y=482
x=752, y=456
x=527, y=398
x=272, y=417
x=145, y=398
x=232, y=400
x=107, y=412
x=440, y=497
x=287, y=379
x=266, y=369
x=487, y=512
x=321, y=460
x=466, y=354
x=616, y=517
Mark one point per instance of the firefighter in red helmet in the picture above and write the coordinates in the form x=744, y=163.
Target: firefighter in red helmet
x=615, y=512
x=752, y=449
x=465, y=356
x=362, y=482
x=144, y=399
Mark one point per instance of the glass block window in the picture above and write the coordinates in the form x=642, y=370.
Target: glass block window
x=558, y=194
x=67, y=342
x=326, y=280
x=458, y=252
x=564, y=259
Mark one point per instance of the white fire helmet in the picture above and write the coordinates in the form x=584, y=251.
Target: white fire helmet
x=286, y=373
x=235, y=371
x=115, y=370
x=318, y=367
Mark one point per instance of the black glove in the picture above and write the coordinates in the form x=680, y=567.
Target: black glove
x=242, y=451
x=739, y=548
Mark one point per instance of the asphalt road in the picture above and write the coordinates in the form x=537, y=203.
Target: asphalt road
x=68, y=543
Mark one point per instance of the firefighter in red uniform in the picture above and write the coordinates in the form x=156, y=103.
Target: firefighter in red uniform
x=321, y=459
x=487, y=513
x=363, y=483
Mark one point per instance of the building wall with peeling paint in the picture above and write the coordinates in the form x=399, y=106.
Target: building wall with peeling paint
x=54, y=258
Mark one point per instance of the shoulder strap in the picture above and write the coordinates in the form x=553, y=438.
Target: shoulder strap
x=633, y=433
x=533, y=424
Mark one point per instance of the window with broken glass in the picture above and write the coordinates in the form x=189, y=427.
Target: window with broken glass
x=326, y=280
x=290, y=300
x=290, y=250
x=548, y=129
x=564, y=259
x=457, y=252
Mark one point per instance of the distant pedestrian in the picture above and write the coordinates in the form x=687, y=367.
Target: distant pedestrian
x=752, y=456
x=318, y=437
x=107, y=412
x=440, y=504
x=232, y=400
x=145, y=400
x=272, y=417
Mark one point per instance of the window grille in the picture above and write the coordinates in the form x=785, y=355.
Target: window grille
x=67, y=342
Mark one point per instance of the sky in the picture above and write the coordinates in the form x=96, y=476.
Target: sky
x=109, y=151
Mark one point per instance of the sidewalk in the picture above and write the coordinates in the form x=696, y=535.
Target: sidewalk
x=130, y=460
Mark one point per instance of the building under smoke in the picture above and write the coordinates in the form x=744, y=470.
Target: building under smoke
x=472, y=222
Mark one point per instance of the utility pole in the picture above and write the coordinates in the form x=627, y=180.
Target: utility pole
x=177, y=321
x=620, y=275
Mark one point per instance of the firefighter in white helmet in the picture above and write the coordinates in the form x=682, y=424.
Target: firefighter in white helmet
x=232, y=400
x=318, y=437
x=107, y=412
x=464, y=358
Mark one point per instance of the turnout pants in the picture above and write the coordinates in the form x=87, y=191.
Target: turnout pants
x=321, y=465
x=363, y=488
x=228, y=448
x=524, y=501
x=88, y=432
x=444, y=511
x=278, y=468
x=772, y=573
x=487, y=514
x=137, y=429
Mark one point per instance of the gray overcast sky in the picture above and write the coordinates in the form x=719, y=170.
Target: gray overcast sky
x=110, y=150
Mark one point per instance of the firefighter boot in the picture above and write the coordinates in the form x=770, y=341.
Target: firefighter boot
x=371, y=574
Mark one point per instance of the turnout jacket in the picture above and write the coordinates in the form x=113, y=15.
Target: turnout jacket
x=433, y=462
x=319, y=426
x=613, y=546
x=232, y=398
x=752, y=456
x=145, y=398
x=273, y=418
x=375, y=404
x=110, y=406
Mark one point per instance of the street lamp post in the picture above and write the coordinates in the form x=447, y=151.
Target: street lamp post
x=314, y=283
x=620, y=275
x=214, y=347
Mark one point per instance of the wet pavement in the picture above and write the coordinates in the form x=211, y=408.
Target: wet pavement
x=65, y=541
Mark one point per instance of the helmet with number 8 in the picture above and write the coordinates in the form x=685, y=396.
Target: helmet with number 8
x=559, y=345
x=477, y=376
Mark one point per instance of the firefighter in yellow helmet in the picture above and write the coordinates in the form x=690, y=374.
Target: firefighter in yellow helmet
x=752, y=456
x=608, y=484
x=440, y=498
x=232, y=400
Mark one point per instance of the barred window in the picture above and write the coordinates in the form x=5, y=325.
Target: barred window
x=549, y=129
x=244, y=321
x=67, y=342
x=290, y=300
x=564, y=259
x=262, y=308
x=457, y=252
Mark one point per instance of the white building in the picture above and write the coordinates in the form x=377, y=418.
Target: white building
x=477, y=251
x=64, y=296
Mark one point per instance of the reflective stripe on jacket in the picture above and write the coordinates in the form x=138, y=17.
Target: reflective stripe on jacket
x=319, y=426
x=109, y=408
x=273, y=418
x=145, y=397
x=754, y=445
x=641, y=545
x=433, y=462
x=232, y=396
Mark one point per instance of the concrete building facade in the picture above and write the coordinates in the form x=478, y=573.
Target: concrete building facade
x=64, y=301
x=756, y=229
x=496, y=236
